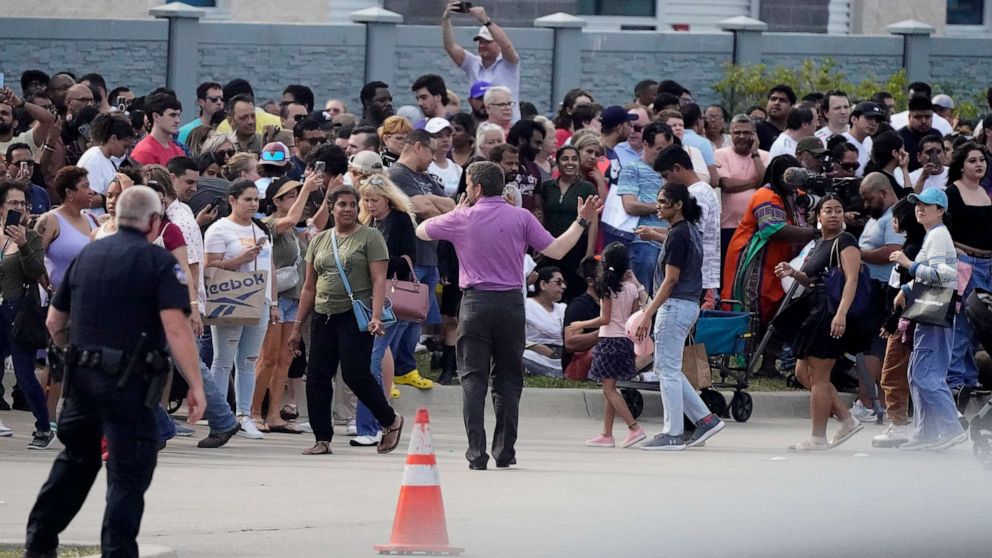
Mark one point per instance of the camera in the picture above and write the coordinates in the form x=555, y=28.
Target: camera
x=815, y=187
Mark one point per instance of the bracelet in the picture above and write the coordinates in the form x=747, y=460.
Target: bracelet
x=194, y=303
x=488, y=22
x=47, y=147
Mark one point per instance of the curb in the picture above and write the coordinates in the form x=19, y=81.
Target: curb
x=588, y=403
x=144, y=550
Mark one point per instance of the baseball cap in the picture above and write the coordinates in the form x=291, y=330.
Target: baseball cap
x=478, y=89
x=483, y=34
x=615, y=116
x=284, y=185
x=436, y=124
x=868, y=109
x=943, y=101
x=811, y=144
x=367, y=161
x=929, y=196
x=275, y=153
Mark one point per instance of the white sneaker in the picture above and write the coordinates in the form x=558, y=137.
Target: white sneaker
x=862, y=413
x=947, y=442
x=305, y=426
x=4, y=431
x=352, y=429
x=893, y=437
x=249, y=430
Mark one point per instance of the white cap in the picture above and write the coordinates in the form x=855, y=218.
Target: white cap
x=436, y=124
x=483, y=34
x=943, y=101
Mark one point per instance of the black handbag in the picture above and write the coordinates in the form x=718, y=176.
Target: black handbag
x=931, y=305
x=28, y=328
x=835, y=280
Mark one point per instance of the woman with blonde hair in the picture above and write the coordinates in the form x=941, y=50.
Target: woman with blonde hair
x=488, y=136
x=393, y=133
x=386, y=208
x=590, y=146
x=220, y=146
x=241, y=165
x=197, y=137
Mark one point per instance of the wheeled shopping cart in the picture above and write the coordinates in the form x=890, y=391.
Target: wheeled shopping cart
x=729, y=337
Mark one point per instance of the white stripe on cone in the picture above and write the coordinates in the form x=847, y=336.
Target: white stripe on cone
x=421, y=475
x=420, y=440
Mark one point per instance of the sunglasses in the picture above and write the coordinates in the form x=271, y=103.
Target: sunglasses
x=213, y=99
x=225, y=153
x=274, y=156
x=850, y=166
x=299, y=117
x=637, y=128
x=559, y=282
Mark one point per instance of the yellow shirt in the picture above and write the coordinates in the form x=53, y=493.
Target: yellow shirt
x=262, y=119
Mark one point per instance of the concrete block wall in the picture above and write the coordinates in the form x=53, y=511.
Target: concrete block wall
x=857, y=57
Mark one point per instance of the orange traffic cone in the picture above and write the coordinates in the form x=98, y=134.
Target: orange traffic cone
x=419, y=526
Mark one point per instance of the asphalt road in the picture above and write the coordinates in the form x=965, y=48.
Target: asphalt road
x=736, y=497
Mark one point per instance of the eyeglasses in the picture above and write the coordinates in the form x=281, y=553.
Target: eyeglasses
x=214, y=99
x=559, y=282
x=508, y=104
x=17, y=203
x=274, y=156
x=82, y=99
x=315, y=141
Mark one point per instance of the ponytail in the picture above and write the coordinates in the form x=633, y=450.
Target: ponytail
x=674, y=192
x=106, y=125
x=613, y=266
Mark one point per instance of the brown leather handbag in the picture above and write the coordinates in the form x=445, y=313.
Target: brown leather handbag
x=411, y=299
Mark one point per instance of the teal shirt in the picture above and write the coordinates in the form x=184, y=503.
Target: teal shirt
x=187, y=128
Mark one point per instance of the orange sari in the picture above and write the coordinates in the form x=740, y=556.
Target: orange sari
x=749, y=272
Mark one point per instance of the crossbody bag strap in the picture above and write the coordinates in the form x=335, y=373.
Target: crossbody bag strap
x=337, y=260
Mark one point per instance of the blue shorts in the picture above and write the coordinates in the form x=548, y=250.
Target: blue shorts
x=288, y=308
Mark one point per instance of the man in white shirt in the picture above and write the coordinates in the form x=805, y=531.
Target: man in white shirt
x=901, y=120
x=865, y=119
x=799, y=125
x=933, y=172
x=497, y=62
x=35, y=137
x=837, y=108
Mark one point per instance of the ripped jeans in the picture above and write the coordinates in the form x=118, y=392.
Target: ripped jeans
x=238, y=346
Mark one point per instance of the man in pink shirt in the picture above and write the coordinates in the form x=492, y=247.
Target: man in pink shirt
x=741, y=168
x=162, y=111
x=491, y=237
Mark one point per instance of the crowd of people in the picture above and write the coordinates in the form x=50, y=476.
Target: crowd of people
x=557, y=246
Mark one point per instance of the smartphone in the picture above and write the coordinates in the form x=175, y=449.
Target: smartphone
x=25, y=168
x=318, y=167
x=463, y=7
x=261, y=241
x=13, y=218
x=217, y=201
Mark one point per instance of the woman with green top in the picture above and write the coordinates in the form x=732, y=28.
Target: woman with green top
x=272, y=370
x=335, y=337
x=560, y=204
x=22, y=265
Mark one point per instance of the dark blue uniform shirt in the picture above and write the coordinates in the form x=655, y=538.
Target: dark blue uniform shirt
x=115, y=289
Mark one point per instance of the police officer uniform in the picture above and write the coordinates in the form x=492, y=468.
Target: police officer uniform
x=113, y=293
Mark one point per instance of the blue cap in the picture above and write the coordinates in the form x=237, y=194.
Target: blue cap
x=930, y=196
x=478, y=89
x=615, y=116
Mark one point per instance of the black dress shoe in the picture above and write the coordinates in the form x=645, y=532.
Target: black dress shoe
x=478, y=464
x=504, y=464
x=218, y=439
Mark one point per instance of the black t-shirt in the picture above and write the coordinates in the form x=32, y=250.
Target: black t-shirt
x=684, y=250
x=821, y=258
x=969, y=224
x=911, y=141
x=767, y=133
x=583, y=307
x=115, y=289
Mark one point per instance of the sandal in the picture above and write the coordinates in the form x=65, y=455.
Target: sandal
x=319, y=448
x=287, y=428
x=261, y=426
x=391, y=438
x=289, y=412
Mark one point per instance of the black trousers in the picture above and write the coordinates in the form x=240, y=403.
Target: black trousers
x=95, y=407
x=335, y=340
x=491, y=345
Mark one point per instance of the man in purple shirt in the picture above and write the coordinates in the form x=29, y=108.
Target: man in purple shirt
x=491, y=237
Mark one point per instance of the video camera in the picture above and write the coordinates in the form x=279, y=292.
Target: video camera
x=815, y=187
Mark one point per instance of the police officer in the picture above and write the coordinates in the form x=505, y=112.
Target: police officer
x=121, y=301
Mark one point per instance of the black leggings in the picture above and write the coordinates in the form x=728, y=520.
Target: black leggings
x=334, y=340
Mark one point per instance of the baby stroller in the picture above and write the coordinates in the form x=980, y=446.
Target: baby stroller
x=978, y=310
x=729, y=340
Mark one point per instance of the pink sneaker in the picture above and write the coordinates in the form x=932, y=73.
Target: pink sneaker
x=601, y=442
x=633, y=436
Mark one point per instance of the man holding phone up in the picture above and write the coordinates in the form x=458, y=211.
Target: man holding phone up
x=497, y=62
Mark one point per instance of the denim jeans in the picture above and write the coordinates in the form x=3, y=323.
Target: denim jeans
x=405, y=343
x=23, y=360
x=671, y=328
x=218, y=413
x=936, y=414
x=963, y=370
x=366, y=423
x=643, y=260
x=238, y=346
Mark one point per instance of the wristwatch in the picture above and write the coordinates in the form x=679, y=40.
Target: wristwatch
x=583, y=223
x=488, y=22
